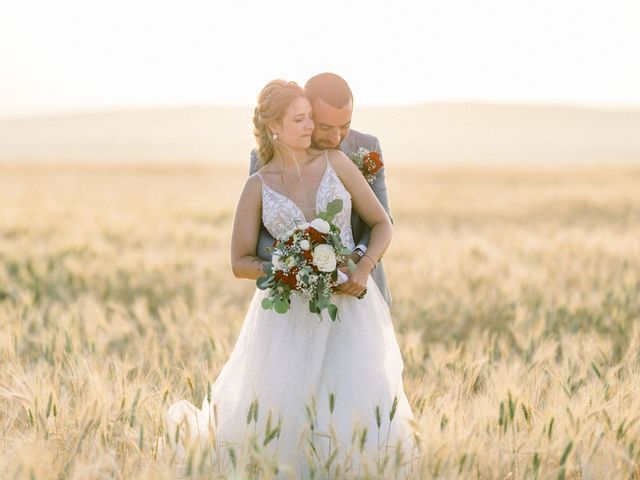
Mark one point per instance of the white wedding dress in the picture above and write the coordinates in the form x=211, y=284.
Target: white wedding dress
x=292, y=363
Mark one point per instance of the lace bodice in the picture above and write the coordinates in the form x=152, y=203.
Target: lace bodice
x=280, y=214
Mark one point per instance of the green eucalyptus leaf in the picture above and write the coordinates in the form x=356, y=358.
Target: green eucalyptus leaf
x=263, y=282
x=267, y=303
x=323, y=302
x=313, y=307
x=281, y=305
x=334, y=207
x=333, y=311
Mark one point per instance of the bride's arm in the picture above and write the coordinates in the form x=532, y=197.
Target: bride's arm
x=246, y=228
x=370, y=210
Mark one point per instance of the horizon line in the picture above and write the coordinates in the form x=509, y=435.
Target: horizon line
x=123, y=108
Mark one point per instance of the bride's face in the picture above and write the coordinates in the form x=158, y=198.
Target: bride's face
x=297, y=125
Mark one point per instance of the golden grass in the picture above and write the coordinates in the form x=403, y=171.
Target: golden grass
x=516, y=305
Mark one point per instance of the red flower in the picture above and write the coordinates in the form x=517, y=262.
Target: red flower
x=289, y=279
x=308, y=256
x=316, y=237
x=373, y=163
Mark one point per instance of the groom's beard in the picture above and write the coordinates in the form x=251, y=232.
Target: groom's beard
x=324, y=144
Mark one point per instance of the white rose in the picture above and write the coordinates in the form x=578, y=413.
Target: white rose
x=275, y=261
x=320, y=225
x=304, y=244
x=324, y=258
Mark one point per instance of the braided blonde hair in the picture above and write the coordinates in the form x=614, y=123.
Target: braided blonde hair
x=273, y=101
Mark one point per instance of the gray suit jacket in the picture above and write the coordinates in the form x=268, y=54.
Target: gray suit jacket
x=361, y=231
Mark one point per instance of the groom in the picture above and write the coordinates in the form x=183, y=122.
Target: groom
x=332, y=103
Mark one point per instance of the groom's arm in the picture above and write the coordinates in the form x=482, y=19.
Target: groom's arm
x=254, y=162
x=379, y=187
x=265, y=240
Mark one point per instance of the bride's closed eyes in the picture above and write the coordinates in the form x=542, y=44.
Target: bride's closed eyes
x=301, y=118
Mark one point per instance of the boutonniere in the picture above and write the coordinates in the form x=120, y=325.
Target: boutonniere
x=369, y=163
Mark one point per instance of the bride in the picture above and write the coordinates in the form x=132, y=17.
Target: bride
x=310, y=393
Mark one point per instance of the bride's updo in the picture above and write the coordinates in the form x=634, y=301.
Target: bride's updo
x=273, y=101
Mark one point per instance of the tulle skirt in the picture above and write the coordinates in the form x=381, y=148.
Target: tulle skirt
x=309, y=390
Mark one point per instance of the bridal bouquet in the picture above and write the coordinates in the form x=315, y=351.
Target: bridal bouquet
x=369, y=163
x=306, y=262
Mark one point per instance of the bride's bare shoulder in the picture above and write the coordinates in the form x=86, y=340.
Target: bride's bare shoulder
x=266, y=174
x=341, y=163
x=336, y=155
x=252, y=186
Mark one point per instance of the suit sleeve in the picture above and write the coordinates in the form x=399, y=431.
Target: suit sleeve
x=379, y=187
x=265, y=240
x=254, y=162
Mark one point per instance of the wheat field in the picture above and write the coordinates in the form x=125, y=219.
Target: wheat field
x=516, y=306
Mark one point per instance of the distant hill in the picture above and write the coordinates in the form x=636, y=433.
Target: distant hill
x=433, y=134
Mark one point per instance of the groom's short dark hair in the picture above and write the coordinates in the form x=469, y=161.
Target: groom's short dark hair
x=329, y=87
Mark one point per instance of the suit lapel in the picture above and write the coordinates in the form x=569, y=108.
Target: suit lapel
x=347, y=145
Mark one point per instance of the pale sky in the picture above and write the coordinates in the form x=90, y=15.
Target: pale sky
x=68, y=55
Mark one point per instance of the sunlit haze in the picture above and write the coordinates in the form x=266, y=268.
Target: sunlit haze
x=82, y=55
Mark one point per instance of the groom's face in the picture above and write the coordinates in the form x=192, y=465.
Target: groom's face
x=331, y=124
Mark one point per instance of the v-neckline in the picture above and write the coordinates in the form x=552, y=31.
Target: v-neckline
x=315, y=207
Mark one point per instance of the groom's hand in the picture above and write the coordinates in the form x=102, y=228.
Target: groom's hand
x=354, y=257
x=344, y=266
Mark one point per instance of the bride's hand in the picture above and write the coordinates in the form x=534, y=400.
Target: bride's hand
x=356, y=285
